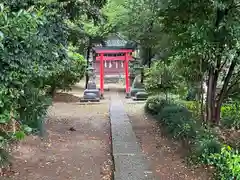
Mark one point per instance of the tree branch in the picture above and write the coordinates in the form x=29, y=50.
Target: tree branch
x=226, y=81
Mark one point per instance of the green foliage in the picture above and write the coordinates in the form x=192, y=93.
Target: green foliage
x=230, y=115
x=33, y=107
x=178, y=122
x=34, y=57
x=72, y=73
x=227, y=163
x=204, y=145
x=176, y=119
x=155, y=104
x=192, y=106
x=161, y=78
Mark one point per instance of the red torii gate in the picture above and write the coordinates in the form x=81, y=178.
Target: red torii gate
x=125, y=57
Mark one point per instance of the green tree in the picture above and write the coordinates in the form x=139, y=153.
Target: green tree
x=35, y=57
x=139, y=21
x=209, y=32
x=161, y=78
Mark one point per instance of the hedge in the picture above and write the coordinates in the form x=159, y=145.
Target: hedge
x=206, y=149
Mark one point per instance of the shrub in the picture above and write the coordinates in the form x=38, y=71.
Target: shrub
x=33, y=107
x=190, y=105
x=155, y=104
x=205, y=144
x=230, y=115
x=178, y=121
x=161, y=77
x=227, y=163
x=72, y=73
x=33, y=56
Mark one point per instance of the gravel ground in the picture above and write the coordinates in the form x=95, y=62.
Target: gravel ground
x=81, y=154
x=164, y=155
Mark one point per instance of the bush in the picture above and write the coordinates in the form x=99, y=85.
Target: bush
x=155, y=104
x=33, y=56
x=178, y=121
x=230, y=115
x=205, y=144
x=190, y=105
x=227, y=163
x=33, y=107
x=72, y=73
x=161, y=77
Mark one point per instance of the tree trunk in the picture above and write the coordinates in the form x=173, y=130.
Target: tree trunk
x=223, y=92
x=217, y=112
x=142, y=75
x=202, y=116
x=209, y=95
x=201, y=113
x=52, y=91
x=88, y=56
x=149, y=57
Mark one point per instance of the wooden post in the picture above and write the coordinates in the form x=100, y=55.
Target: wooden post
x=101, y=75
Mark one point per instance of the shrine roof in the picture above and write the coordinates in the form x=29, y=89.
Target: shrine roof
x=112, y=49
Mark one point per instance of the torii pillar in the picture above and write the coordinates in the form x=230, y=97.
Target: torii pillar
x=126, y=57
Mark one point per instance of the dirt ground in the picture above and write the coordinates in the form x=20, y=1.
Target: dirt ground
x=85, y=152
x=82, y=153
x=164, y=155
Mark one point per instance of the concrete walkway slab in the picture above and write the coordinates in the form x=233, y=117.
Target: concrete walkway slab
x=120, y=147
x=129, y=160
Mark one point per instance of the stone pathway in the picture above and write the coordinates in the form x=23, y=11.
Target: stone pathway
x=130, y=162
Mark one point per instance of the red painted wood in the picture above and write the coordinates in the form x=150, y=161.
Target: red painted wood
x=113, y=51
x=101, y=74
x=103, y=58
x=126, y=73
x=114, y=70
x=114, y=58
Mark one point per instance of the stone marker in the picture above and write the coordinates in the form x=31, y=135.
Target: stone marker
x=91, y=85
x=92, y=93
x=137, y=86
x=140, y=96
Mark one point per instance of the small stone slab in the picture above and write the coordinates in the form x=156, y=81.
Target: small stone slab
x=131, y=163
x=129, y=175
x=134, y=91
x=89, y=100
x=123, y=134
x=94, y=91
x=90, y=96
x=124, y=148
x=140, y=96
x=133, y=176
